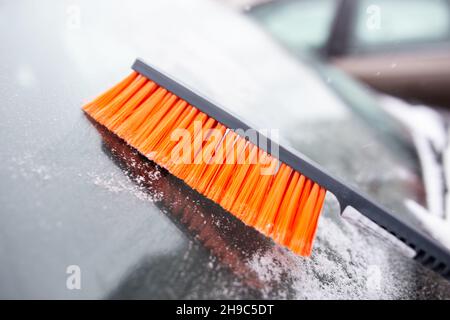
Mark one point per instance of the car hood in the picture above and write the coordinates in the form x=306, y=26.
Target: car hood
x=73, y=194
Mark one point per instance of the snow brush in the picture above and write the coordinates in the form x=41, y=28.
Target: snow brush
x=270, y=187
x=230, y=241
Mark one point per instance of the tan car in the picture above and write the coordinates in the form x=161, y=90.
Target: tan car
x=399, y=47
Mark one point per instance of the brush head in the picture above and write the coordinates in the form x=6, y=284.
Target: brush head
x=219, y=162
x=274, y=189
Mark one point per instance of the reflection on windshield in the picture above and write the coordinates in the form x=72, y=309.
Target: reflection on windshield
x=260, y=268
x=227, y=238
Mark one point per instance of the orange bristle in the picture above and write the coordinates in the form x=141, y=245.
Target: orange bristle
x=214, y=160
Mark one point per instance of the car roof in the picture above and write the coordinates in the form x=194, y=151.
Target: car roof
x=73, y=194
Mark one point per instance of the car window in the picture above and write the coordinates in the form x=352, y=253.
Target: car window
x=397, y=22
x=298, y=24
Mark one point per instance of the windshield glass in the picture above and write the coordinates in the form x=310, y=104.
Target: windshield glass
x=357, y=127
x=72, y=193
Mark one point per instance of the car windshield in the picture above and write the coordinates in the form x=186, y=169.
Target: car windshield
x=361, y=103
x=365, y=131
x=74, y=194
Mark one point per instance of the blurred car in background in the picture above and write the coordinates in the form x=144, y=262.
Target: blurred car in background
x=398, y=47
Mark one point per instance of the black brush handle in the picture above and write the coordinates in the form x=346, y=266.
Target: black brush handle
x=428, y=251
